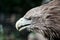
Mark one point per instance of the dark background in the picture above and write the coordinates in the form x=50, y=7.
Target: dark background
x=10, y=12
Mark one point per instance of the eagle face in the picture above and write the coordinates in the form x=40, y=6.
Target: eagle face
x=33, y=20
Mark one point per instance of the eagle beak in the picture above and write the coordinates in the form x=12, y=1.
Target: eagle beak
x=22, y=24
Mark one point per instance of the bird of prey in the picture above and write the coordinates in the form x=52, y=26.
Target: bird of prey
x=44, y=19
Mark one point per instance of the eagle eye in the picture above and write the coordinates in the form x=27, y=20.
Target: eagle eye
x=48, y=16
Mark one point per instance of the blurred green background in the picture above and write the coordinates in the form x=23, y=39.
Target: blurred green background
x=10, y=12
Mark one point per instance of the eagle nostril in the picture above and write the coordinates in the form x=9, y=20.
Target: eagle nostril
x=28, y=18
x=36, y=28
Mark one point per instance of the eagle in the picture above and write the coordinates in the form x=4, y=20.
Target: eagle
x=44, y=20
